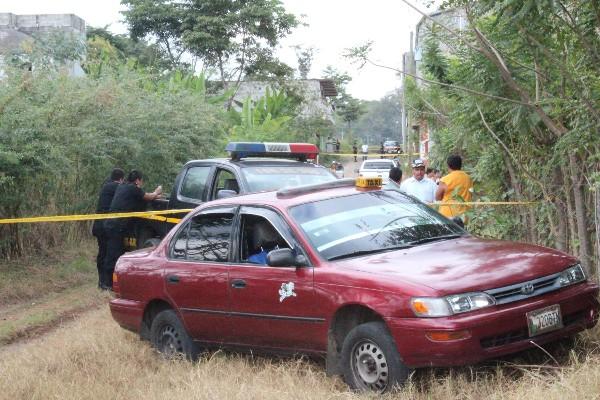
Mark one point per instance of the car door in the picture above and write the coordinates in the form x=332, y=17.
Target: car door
x=272, y=306
x=196, y=274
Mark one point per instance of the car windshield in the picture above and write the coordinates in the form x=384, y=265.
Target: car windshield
x=267, y=178
x=390, y=143
x=370, y=222
x=377, y=165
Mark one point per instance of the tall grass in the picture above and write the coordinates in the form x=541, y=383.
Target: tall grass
x=93, y=358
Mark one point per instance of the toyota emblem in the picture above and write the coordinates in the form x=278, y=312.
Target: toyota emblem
x=527, y=289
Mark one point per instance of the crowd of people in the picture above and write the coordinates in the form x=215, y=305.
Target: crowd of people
x=429, y=186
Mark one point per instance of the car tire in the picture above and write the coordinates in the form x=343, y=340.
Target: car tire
x=370, y=360
x=170, y=338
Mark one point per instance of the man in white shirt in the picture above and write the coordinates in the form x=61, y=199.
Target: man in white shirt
x=364, y=149
x=419, y=185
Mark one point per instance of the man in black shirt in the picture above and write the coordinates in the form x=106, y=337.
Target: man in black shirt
x=104, y=199
x=128, y=198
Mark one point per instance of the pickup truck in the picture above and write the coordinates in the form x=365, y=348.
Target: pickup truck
x=252, y=167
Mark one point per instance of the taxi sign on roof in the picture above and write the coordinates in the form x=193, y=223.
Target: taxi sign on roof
x=363, y=182
x=300, y=151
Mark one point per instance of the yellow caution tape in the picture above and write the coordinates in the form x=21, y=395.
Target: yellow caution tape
x=485, y=203
x=157, y=215
x=369, y=154
x=87, y=217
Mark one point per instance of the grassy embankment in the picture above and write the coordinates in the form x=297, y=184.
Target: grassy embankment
x=38, y=292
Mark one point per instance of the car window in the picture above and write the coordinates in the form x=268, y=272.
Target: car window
x=370, y=222
x=267, y=178
x=258, y=237
x=206, y=237
x=225, y=179
x=194, y=182
x=377, y=165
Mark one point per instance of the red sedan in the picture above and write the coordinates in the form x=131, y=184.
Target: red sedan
x=373, y=280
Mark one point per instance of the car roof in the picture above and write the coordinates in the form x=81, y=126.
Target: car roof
x=283, y=202
x=255, y=162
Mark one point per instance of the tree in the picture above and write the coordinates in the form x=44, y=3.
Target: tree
x=305, y=59
x=347, y=107
x=233, y=36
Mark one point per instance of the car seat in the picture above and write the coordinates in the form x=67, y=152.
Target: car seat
x=231, y=184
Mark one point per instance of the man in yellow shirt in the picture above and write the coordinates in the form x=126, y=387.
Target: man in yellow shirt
x=455, y=187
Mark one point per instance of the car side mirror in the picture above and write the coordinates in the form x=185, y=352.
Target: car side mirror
x=225, y=193
x=285, y=258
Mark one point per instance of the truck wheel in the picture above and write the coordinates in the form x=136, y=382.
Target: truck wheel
x=170, y=338
x=370, y=360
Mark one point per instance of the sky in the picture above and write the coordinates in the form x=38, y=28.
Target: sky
x=333, y=26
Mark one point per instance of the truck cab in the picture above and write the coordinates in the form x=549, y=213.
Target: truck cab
x=251, y=167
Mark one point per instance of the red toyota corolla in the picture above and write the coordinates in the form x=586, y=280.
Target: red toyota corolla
x=373, y=280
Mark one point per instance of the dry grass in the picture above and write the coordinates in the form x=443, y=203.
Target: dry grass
x=92, y=358
x=36, y=275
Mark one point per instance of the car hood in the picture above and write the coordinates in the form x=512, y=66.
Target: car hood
x=462, y=265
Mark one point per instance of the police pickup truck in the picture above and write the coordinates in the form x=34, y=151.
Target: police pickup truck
x=251, y=167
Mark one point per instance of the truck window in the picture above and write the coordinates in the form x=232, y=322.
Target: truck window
x=225, y=180
x=194, y=182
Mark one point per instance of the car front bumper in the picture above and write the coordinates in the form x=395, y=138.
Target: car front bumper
x=492, y=332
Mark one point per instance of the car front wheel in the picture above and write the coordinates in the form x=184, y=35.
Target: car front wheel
x=170, y=337
x=370, y=359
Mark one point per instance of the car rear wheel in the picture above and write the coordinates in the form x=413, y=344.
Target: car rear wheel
x=370, y=359
x=170, y=337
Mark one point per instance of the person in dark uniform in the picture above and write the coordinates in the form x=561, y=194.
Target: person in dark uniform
x=104, y=199
x=129, y=197
x=355, y=151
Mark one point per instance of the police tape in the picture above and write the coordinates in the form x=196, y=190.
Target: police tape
x=155, y=215
x=158, y=215
x=372, y=155
x=484, y=203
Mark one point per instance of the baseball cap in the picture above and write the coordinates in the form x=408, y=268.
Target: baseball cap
x=418, y=163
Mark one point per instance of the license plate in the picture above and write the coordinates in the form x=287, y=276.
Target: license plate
x=544, y=320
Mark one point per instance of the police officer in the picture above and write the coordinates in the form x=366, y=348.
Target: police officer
x=104, y=199
x=128, y=198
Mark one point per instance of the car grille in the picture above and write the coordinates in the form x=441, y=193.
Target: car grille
x=524, y=290
x=521, y=334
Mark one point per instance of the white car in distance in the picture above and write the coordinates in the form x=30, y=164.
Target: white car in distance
x=377, y=169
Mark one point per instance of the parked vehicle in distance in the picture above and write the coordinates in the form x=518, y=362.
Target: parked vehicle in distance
x=252, y=167
x=392, y=147
x=377, y=168
x=373, y=280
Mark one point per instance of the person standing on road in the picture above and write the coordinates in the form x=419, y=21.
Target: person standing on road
x=419, y=185
x=381, y=150
x=456, y=186
x=395, y=179
x=128, y=198
x=103, y=206
x=365, y=151
x=355, y=151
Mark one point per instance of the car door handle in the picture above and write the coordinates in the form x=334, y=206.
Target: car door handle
x=238, y=283
x=172, y=279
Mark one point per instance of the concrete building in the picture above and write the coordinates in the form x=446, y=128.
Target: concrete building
x=18, y=31
x=316, y=93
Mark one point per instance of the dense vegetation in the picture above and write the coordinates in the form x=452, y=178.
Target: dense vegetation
x=538, y=138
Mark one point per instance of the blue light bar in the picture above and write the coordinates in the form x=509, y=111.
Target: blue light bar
x=300, y=151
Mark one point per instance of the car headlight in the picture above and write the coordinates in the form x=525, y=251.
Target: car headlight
x=449, y=305
x=572, y=275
